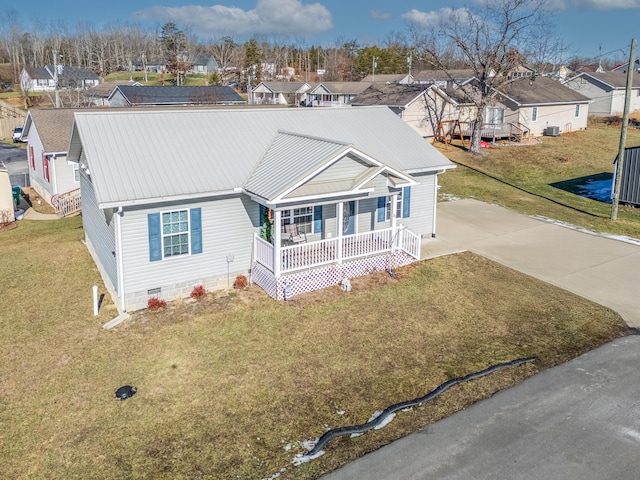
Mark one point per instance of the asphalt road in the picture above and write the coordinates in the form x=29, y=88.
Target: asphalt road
x=578, y=421
x=14, y=158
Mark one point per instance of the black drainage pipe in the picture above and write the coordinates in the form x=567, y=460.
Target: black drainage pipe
x=356, y=429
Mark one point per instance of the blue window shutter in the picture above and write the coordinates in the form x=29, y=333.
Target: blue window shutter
x=155, y=237
x=317, y=219
x=196, y=230
x=382, y=206
x=406, y=202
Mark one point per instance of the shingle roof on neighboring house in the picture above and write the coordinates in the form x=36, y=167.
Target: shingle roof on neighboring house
x=386, y=77
x=138, y=157
x=54, y=127
x=38, y=73
x=170, y=95
x=390, y=94
x=435, y=75
x=541, y=91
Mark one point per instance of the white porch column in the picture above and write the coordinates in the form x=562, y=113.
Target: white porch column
x=339, y=220
x=394, y=207
x=277, y=243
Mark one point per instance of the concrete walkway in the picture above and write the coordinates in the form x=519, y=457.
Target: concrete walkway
x=600, y=268
x=577, y=421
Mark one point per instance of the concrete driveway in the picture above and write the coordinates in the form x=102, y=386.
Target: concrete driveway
x=603, y=269
x=577, y=421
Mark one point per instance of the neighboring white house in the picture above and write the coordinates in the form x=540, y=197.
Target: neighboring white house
x=537, y=103
x=279, y=93
x=57, y=181
x=43, y=79
x=347, y=190
x=606, y=91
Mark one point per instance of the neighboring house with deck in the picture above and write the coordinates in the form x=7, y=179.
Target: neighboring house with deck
x=57, y=181
x=347, y=191
x=606, y=91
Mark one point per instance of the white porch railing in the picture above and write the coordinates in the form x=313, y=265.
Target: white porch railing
x=263, y=252
x=335, y=250
x=410, y=243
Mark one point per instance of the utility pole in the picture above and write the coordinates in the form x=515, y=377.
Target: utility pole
x=373, y=76
x=55, y=77
x=615, y=199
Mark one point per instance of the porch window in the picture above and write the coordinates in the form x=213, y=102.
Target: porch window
x=175, y=233
x=577, y=110
x=45, y=167
x=302, y=217
x=534, y=114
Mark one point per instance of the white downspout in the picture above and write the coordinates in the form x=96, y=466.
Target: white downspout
x=52, y=172
x=120, y=260
x=436, y=187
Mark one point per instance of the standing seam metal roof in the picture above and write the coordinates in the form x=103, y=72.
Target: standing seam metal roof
x=142, y=156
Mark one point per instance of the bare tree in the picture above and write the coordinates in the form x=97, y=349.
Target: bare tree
x=491, y=38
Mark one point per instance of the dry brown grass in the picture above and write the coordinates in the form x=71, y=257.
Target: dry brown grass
x=226, y=383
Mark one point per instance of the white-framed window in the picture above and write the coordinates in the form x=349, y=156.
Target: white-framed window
x=398, y=206
x=175, y=233
x=577, y=110
x=534, y=114
x=302, y=217
x=76, y=172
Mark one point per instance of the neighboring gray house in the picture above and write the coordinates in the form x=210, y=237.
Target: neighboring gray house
x=98, y=96
x=279, y=93
x=43, y=79
x=132, y=96
x=204, y=64
x=57, y=181
x=606, y=91
x=334, y=94
x=347, y=190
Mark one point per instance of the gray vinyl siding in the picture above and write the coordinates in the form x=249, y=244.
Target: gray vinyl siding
x=118, y=100
x=601, y=95
x=347, y=167
x=329, y=216
x=227, y=229
x=421, y=220
x=100, y=233
x=65, y=181
x=367, y=211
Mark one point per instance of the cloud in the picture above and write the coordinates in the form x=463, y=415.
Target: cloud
x=435, y=18
x=603, y=4
x=378, y=15
x=269, y=17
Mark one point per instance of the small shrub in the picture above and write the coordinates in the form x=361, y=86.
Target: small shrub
x=241, y=282
x=154, y=303
x=198, y=292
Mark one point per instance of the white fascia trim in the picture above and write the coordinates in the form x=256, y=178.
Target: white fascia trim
x=176, y=198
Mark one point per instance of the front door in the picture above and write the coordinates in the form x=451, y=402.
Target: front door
x=349, y=218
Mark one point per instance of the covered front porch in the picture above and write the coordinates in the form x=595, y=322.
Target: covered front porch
x=284, y=270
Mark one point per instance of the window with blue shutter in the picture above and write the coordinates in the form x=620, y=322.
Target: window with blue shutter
x=155, y=237
x=317, y=219
x=196, y=230
x=406, y=202
x=382, y=208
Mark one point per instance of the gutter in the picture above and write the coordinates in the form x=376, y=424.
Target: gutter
x=176, y=198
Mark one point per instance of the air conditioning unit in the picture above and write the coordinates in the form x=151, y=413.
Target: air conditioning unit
x=552, y=131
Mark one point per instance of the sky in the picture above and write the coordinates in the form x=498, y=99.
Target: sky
x=588, y=28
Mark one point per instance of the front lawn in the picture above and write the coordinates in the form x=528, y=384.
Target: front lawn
x=229, y=386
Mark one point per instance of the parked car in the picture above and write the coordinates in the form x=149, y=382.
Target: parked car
x=17, y=134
